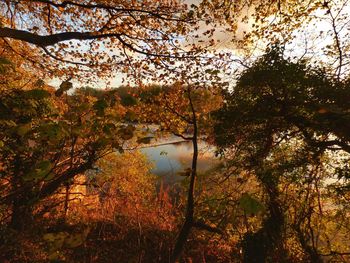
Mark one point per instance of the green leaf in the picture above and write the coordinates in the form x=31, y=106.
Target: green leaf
x=250, y=205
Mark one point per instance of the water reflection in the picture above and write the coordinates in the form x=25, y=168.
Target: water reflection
x=171, y=157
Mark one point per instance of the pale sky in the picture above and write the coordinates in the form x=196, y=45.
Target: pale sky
x=310, y=39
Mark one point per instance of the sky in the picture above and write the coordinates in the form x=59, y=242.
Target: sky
x=311, y=33
x=220, y=34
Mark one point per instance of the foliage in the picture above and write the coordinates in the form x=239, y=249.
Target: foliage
x=47, y=141
x=174, y=101
x=286, y=99
x=72, y=191
x=286, y=131
x=99, y=37
x=119, y=208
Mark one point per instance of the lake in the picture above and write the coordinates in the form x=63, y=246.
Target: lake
x=171, y=156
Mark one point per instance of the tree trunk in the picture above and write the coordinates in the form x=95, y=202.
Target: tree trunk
x=266, y=244
x=189, y=218
x=312, y=254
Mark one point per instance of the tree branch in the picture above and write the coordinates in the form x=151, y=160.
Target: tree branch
x=53, y=39
x=63, y=60
x=154, y=13
x=50, y=40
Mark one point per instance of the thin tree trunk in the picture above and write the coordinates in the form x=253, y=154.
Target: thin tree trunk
x=66, y=200
x=313, y=255
x=189, y=217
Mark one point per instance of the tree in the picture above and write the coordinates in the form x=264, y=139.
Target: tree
x=184, y=114
x=46, y=142
x=286, y=99
x=276, y=103
x=94, y=36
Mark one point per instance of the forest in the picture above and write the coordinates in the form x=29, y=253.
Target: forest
x=175, y=131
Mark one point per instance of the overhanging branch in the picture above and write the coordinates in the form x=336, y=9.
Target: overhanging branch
x=53, y=39
x=154, y=13
x=50, y=40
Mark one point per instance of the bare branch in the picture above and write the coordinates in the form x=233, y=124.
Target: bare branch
x=154, y=13
x=63, y=60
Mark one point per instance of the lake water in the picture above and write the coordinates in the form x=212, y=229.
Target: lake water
x=172, y=156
